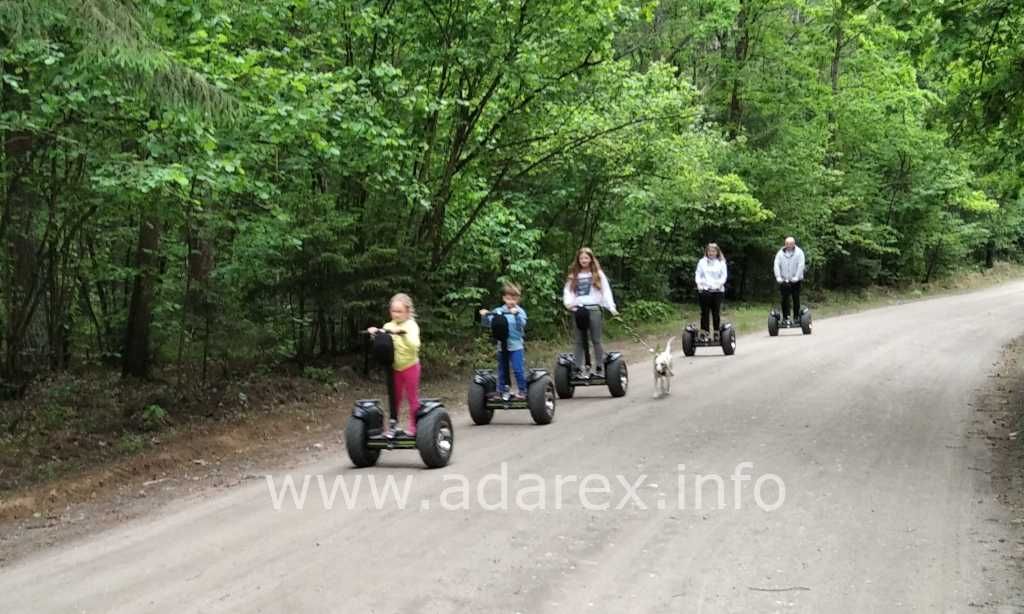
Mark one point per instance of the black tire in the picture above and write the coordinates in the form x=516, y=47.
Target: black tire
x=563, y=381
x=689, y=343
x=773, y=326
x=729, y=341
x=617, y=376
x=805, y=322
x=433, y=432
x=478, y=404
x=355, y=443
x=540, y=398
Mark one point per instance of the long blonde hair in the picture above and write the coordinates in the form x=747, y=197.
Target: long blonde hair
x=405, y=300
x=576, y=269
x=707, y=248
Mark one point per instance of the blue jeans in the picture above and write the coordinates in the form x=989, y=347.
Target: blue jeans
x=515, y=358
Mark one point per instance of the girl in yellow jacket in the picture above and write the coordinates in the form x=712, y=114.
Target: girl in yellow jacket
x=406, y=366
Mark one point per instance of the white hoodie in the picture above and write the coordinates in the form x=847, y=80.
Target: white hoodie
x=711, y=274
x=588, y=294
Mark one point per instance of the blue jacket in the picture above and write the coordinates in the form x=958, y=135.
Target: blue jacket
x=516, y=326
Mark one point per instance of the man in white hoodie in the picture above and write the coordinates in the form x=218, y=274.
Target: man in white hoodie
x=789, y=272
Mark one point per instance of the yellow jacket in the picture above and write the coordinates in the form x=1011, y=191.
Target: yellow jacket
x=407, y=346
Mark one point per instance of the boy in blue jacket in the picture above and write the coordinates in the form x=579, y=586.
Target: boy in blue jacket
x=516, y=318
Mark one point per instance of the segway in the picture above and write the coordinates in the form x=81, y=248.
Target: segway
x=568, y=376
x=485, y=398
x=692, y=339
x=776, y=322
x=365, y=436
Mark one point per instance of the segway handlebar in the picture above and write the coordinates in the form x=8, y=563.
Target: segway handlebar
x=381, y=330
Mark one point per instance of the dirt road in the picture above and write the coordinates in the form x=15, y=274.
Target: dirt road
x=858, y=434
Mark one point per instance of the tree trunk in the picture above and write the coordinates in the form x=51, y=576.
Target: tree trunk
x=933, y=262
x=137, y=355
x=834, y=69
x=325, y=331
x=21, y=275
x=741, y=288
x=300, y=322
x=740, y=58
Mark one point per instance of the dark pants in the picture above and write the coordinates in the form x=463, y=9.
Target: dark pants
x=787, y=291
x=710, y=303
x=594, y=336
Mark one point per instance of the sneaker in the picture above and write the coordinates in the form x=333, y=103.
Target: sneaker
x=411, y=430
x=599, y=371
x=519, y=396
x=578, y=374
x=715, y=337
x=703, y=336
x=389, y=433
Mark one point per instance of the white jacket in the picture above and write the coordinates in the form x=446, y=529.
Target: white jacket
x=789, y=266
x=588, y=294
x=711, y=274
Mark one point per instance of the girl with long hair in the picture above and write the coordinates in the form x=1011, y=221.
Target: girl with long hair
x=587, y=287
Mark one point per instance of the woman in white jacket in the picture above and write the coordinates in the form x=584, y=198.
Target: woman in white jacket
x=587, y=287
x=710, y=278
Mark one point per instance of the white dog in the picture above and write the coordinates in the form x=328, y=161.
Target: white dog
x=663, y=371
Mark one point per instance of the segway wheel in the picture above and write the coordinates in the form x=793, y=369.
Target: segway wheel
x=689, y=342
x=773, y=326
x=617, y=377
x=563, y=382
x=805, y=322
x=728, y=337
x=435, y=438
x=356, y=436
x=477, y=402
x=540, y=398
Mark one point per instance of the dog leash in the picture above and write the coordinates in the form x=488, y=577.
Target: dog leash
x=636, y=336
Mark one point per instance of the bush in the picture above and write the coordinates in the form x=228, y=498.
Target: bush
x=319, y=374
x=154, y=417
x=130, y=443
x=645, y=312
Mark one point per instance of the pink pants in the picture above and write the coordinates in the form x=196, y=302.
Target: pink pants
x=407, y=386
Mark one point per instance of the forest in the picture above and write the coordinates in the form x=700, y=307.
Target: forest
x=196, y=181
